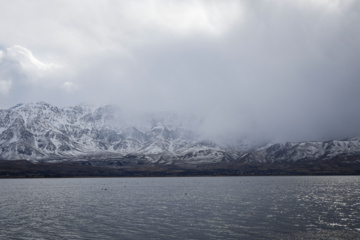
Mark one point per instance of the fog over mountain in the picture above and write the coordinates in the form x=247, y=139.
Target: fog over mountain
x=163, y=141
x=280, y=70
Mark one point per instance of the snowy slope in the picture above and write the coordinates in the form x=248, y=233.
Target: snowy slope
x=304, y=151
x=40, y=131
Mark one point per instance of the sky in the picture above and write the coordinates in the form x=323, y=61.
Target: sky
x=278, y=69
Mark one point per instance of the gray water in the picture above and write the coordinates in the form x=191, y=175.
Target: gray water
x=181, y=208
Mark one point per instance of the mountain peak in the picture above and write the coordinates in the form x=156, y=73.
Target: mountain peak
x=40, y=131
x=82, y=130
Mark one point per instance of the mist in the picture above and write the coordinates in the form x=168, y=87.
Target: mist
x=282, y=70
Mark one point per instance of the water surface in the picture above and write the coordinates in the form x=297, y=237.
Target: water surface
x=181, y=208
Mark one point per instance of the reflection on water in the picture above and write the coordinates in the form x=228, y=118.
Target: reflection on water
x=181, y=208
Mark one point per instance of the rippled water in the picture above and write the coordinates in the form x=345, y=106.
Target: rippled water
x=181, y=208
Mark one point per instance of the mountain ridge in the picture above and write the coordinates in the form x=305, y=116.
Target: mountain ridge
x=103, y=136
x=41, y=131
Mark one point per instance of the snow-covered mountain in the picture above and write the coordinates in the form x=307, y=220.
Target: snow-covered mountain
x=38, y=131
x=42, y=132
x=304, y=151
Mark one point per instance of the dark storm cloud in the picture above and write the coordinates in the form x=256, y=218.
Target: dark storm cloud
x=263, y=69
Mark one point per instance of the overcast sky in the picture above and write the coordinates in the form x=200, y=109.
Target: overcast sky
x=276, y=68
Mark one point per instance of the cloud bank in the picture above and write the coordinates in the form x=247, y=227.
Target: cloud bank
x=264, y=69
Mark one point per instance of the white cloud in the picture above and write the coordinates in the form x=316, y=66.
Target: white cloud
x=325, y=5
x=186, y=17
x=5, y=86
x=19, y=64
x=29, y=63
x=263, y=65
x=69, y=86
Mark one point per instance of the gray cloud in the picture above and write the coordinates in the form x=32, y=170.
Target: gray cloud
x=263, y=69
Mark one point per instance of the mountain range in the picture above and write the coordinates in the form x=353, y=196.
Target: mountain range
x=105, y=136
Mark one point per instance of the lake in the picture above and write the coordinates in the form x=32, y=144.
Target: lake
x=321, y=207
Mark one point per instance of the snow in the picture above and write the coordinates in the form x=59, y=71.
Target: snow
x=85, y=129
